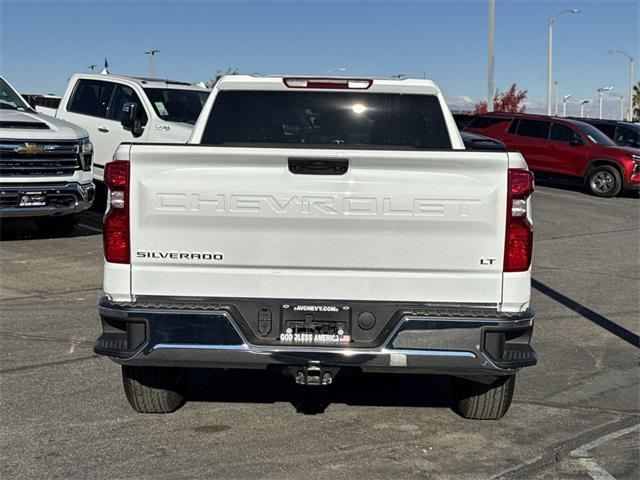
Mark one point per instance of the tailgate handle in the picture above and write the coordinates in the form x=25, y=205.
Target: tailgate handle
x=318, y=166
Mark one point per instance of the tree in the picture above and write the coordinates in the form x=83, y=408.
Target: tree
x=636, y=102
x=508, y=101
x=219, y=74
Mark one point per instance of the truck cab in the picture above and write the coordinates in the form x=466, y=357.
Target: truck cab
x=166, y=111
x=45, y=165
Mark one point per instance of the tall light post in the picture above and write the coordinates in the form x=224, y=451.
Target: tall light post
x=564, y=104
x=601, y=91
x=630, y=80
x=152, y=60
x=621, y=98
x=583, y=102
x=550, y=55
x=492, y=17
x=555, y=96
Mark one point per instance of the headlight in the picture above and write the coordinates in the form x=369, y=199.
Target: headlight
x=86, y=146
x=86, y=154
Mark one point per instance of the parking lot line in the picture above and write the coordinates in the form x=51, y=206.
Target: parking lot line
x=592, y=467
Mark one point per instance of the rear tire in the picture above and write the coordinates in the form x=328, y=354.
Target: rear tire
x=154, y=389
x=480, y=401
x=604, y=181
x=58, y=226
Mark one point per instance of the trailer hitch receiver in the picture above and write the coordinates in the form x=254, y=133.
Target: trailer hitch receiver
x=315, y=374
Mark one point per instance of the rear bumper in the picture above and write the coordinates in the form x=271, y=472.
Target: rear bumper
x=443, y=341
x=60, y=199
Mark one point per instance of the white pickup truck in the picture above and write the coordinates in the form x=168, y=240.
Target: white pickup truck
x=45, y=166
x=165, y=111
x=316, y=224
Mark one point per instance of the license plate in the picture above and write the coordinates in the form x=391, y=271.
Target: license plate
x=315, y=324
x=33, y=199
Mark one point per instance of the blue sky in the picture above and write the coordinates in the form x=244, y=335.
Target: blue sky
x=43, y=43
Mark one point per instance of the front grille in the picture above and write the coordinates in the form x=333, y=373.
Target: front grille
x=25, y=125
x=44, y=159
x=9, y=199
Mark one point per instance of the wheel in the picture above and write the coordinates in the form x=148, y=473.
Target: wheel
x=154, y=389
x=604, y=181
x=480, y=401
x=58, y=226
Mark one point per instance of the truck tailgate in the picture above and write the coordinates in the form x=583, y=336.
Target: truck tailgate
x=397, y=226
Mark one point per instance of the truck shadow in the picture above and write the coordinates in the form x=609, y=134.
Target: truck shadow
x=349, y=387
x=23, y=229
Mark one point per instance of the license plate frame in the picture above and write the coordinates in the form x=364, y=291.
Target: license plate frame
x=313, y=324
x=32, y=199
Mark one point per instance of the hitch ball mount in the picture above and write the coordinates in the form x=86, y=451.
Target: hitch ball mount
x=314, y=374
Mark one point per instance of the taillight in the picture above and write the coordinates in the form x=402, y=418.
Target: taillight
x=519, y=234
x=115, y=233
x=328, y=83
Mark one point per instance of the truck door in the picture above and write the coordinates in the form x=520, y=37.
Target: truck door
x=567, y=150
x=530, y=139
x=109, y=131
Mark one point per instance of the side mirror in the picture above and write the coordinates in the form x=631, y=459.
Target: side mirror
x=576, y=142
x=130, y=120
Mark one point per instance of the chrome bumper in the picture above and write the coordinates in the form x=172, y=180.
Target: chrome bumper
x=193, y=337
x=61, y=199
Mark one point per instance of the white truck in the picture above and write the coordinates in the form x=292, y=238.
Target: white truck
x=316, y=224
x=45, y=166
x=165, y=111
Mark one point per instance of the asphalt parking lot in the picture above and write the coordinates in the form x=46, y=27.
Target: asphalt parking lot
x=575, y=415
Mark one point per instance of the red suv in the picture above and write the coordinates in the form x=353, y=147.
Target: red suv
x=566, y=147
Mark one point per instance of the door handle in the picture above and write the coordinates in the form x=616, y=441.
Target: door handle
x=103, y=129
x=318, y=166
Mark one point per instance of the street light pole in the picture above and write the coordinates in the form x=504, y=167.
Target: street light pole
x=492, y=14
x=564, y=104
x=152, y=61
x=549, y=64
x=550, y=55
x=630, y=80
x=601, y=92
x=583, y=102
x=555, y=82
x=621, y=98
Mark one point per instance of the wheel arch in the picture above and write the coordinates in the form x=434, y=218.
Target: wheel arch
x=596, y=162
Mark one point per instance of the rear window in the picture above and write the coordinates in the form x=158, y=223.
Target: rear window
x=533, y=128
x=327, y=120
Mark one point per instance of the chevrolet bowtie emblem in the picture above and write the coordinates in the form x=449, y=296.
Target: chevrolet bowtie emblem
x=30, y=149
